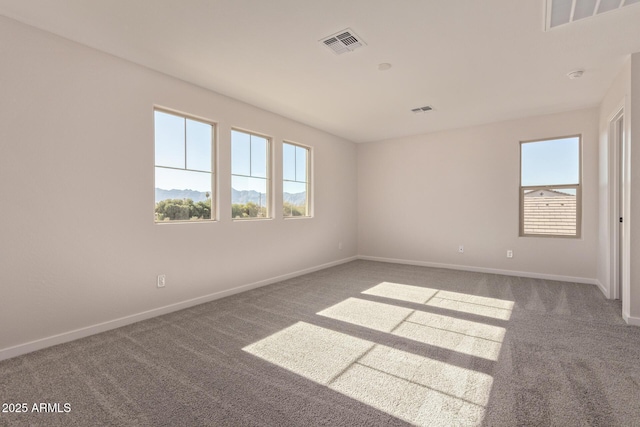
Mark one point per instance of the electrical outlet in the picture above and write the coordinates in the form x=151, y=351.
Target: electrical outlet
x=161, y=280
x=461, y=249
x=509, y=254
x=340, y=245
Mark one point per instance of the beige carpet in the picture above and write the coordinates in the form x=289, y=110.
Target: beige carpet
x=364, y=343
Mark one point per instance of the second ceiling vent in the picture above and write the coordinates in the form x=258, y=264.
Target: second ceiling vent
x=421, y=110
x=343, y=41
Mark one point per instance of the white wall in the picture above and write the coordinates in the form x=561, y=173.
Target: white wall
x=420, y=197
x=79, y=245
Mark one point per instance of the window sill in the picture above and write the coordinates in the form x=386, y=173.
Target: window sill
x=205, y=221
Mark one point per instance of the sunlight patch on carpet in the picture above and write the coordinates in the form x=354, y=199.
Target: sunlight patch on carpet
x=406, y=385
x=483, y=306
x=401, y=292
x=373, y=315
x=316, y=353
x=414, y=388
x=464, y=336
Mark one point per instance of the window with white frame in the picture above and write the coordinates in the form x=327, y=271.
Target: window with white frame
x=550, y=187
x=295, y=180
x=184, y=173
x=250, y=175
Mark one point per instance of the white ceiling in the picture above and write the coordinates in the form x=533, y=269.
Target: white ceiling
x=475, y=62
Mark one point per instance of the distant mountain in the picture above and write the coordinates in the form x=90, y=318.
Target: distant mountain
x=240, y=197
x=296, y=199
x=196, y=196
x=246, y=196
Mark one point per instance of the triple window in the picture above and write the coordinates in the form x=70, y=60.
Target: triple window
x=184, y=172
x=550, y=190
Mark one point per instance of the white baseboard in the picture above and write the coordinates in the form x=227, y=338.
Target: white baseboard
x=634, y=321
x=604, y=290
x=64, y=337
x=484, y=270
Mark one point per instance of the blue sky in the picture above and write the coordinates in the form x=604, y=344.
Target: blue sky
x=182, y=144
x=249, y=161
x=552, y=162
x=294, y=171
x=186, y=144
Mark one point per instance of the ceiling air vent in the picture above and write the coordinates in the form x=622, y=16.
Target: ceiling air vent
x=421, y=110
x=561, y=12
x=343, y=41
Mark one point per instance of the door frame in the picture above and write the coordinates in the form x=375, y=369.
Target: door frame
x=619, y=196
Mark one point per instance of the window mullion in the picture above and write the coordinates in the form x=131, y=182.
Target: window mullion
x=185, y=143
x=295, y=163
x=250, y=155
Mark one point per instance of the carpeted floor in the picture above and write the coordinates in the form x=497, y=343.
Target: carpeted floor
x=364, y=343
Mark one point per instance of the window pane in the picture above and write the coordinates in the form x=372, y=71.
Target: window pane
x=553, y=162
x=240, y=153
x=182, y=195
x=295, y=199
x=183, y=180
x=550, y=211
x=289, y=162
x=169, y=140
x=258, y=156
x=198, y=145
x=301, y=164
x=248, y=197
